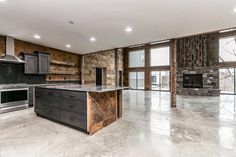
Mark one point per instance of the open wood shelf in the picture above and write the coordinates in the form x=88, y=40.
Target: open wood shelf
x=62, y=73
x=64, y=63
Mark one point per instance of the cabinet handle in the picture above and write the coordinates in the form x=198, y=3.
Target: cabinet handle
x=70, y=106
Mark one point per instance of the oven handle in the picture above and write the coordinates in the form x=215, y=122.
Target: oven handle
x=6, y=90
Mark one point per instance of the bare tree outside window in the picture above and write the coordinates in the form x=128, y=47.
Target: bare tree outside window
x=227, y=53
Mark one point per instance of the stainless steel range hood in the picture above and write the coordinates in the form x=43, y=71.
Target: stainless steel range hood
x=10, y=52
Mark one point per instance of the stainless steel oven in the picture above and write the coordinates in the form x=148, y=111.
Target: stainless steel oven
x=12, y=99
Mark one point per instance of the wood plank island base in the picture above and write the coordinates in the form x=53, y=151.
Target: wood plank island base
x=86, y=108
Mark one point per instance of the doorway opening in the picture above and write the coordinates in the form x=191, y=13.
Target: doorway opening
x=101, y=76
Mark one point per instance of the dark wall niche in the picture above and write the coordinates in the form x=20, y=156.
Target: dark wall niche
x=14, y=73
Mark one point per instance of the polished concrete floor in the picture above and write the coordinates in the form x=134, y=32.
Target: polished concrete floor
x=198, y=127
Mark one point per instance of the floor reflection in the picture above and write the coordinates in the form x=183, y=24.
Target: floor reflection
x=196, y=119
x=227, y=137
x=198, y=127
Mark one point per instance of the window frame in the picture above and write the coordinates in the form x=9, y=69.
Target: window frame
x=136, y=80
x=161, y=45
x=234, y=79
x=161, y=75
x=133, y=50
x=224, y=36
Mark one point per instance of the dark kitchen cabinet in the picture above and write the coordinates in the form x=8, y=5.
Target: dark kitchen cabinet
x=37, y=63
x=67, y=107
x=43, y=63
x=31, y=63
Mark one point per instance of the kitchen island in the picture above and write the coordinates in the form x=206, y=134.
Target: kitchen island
x=83, y=107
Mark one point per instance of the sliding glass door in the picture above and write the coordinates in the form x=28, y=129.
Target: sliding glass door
x=136, y=80
x=160, y=80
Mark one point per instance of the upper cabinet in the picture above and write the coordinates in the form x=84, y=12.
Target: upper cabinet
x=43, y=63
x=37, y=63
x=31, y=63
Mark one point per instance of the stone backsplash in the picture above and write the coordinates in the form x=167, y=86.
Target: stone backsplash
x=210, y=76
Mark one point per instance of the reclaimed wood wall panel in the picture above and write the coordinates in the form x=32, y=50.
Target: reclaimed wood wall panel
x=2, y=45
x=58, y=72
x=213, y=49
x=192, y=51
x=102, y=110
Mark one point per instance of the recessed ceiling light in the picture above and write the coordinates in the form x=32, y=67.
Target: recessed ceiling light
x=92, y=39
x=128, y=29
x=235, y=10
x=68, y=46
x=2, y=0
x=36, y=36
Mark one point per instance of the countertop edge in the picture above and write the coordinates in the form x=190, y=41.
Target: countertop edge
x=83, y=90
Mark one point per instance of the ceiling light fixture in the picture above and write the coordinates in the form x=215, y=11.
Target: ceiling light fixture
x=68, y=45
x=2, y=0
x=128, y=29
x=92, y=39
x=37, y=36
x=235, y=10
x=227, y=30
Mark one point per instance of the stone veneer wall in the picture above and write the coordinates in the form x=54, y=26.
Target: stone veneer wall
x=102, y=60
x=210, y=77
x=199, y=55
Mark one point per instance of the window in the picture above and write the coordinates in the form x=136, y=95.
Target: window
x=227, y=80
x=136, y=80
x=227, y=49
x=136, y=59
x=160, y=56
x=160, y=80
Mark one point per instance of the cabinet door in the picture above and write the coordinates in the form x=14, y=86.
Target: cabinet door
x=44, y=63
x=31, y=64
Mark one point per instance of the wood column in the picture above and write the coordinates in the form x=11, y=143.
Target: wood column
x=81, y=65
x=147, y=68
x=119, y=104
x=126, y=67
x=173, y=71
x=116, y=57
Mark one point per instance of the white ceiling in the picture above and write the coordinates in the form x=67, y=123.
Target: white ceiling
x=106, y=20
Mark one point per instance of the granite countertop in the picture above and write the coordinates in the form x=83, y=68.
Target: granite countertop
x=84, y=88
x=51, y=84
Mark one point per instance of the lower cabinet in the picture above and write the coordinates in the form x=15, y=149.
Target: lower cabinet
x=49, y=112
x=74, y=119
x=69, y=111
